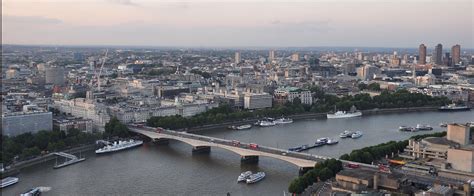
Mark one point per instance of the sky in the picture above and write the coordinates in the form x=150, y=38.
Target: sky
x=239, y=23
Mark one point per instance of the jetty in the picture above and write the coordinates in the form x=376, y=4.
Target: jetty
x=70, y=159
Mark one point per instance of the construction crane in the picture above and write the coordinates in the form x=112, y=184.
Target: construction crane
x=98, y=74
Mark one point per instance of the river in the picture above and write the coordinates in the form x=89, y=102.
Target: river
x=173, y=170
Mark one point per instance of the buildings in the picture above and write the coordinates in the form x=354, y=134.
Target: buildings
x=271, y=55
x=456, y=54
x=237, y=58
x=288, y=94
x=438, y=55
x=367, y=72
x=68, y=123
x=422, y=54
x=257, y=100
x=17, y=123
x=295, y=57
x=55, y=75
x=453, y=153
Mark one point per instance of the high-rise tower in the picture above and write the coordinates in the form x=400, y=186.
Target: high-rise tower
x=438, y=54
x=422, y=54
x=456, y=54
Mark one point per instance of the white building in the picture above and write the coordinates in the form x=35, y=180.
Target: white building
x=283, y=95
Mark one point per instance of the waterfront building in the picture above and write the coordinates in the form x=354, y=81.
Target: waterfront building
x=17, y=123
x=422, y=54
x=66, y=123
x=288, y=94
x=257, y=100
x=85, y=108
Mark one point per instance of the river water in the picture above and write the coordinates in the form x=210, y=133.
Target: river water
x=173, y=170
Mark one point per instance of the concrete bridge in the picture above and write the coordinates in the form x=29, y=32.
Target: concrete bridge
x=248, y=152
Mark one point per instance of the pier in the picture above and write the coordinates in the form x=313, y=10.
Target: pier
x=70, y=159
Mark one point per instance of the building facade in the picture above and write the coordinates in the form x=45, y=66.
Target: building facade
x=26, y=122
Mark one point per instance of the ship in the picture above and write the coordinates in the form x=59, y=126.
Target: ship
x=453, y=107
x=283, y=121
x=323, y=140
x=344, y=114
x=420, y=127
x=244, y=176
x=357, y=134
x=255, y=177
x=8, y=181
x=345, y=134
x=443, y=124
x=119, y=145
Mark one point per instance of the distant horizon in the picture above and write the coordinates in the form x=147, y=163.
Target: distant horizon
x=226, y=47
x=239, y=23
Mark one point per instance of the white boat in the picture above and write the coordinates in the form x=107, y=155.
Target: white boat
x=406, y=128
x=255, y=177
x=241, y=127
x=244, y=176
x=283, y=121
x=323, y=140
x=357, y=134
x=265, y=123
x=344, y=114
x=345, y=134
x=332, y=142
x=120, y=145
x=443, y=124
x=420, y=127
x=8, y=181
x=32, y=192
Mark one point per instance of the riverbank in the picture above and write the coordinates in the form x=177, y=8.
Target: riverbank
x=15, y=168
x=311, y=116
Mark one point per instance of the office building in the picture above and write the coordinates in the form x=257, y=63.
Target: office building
x=422, y=54
x=271, y=55
x=237, y=57
x=456, y=54
x=295, y=57
x=257, y=100
x=55, y=75
x=438, y=55
x=288, y=94
x=26, y=122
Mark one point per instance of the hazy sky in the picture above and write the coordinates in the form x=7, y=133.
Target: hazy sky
x=230, y=23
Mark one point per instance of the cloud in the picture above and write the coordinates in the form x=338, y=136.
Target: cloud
x=30, y=20
x=124, y=2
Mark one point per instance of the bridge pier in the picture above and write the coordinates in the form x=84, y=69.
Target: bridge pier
x=249, y=159
x=161, y=141
x=303, y=170
x=201, y=149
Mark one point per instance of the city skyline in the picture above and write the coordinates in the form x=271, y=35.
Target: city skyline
x=238, y=23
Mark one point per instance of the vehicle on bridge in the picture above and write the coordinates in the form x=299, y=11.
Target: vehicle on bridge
x=253, y=146
x=235, y=143
x=353, y=165
x=159, y=129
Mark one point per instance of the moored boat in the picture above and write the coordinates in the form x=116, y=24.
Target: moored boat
x=8, y=181
x=283, y=121
x=332, y=142
x=443, y=124
x=266, y=123
x=357, y=134
x=242, y=127
x=244, y=176
x=119, y=145
x=406, y=128
x=323, y=140
x=421, y=127
x=344, y=114
x=32, y=192
x=345, y=134
x=255, y=177
x=453, y=107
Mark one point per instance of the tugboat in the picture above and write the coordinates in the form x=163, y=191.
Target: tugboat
x=345, y=134
x=283, y=121
x=244, y=176
x=120, y=145
x=255, y=177
x=357, y=134
x=8, y=181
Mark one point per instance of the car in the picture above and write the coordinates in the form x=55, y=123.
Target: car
x=353, y=165
x=253, y=146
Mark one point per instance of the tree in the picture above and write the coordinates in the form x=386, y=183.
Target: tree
x=325, y=174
